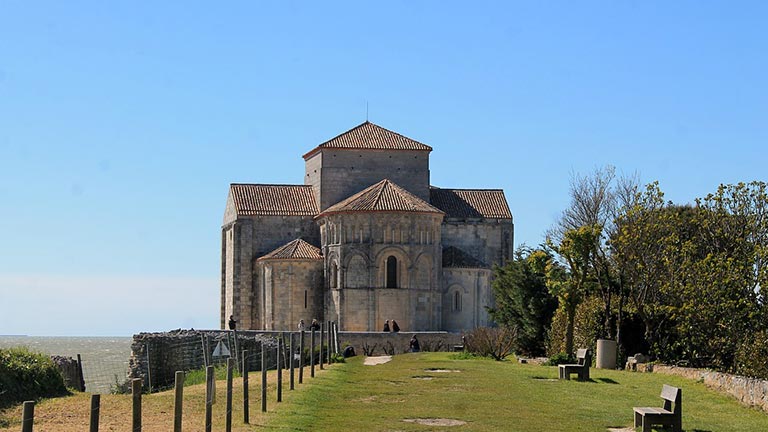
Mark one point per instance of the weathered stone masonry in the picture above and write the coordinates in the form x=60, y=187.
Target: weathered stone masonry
x=380, y=233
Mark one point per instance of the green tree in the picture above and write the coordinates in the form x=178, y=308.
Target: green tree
x=523, y=300
x=570, y=281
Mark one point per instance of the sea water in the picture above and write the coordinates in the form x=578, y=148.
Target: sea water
x=105, y=359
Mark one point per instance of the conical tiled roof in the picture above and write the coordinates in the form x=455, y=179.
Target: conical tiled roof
x=384, y=196
x=297, y=249
x=369, y=136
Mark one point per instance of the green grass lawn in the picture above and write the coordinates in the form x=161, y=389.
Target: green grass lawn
x=493, y=396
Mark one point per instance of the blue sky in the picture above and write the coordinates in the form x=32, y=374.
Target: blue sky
x=122, y=124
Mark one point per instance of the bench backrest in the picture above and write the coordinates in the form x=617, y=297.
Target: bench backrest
x=582, y=355
x=672, y=395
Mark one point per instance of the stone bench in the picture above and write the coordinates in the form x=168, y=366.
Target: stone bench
x=649, y=416
x=581, y=369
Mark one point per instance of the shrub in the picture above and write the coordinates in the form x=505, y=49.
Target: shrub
x=751, y=354
x=586, y=329
x=496, y=342
x=561, y=358
x=26, y=375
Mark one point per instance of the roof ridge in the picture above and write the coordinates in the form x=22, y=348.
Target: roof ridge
x=466, y=189
x=269, y=184
x=380, y=192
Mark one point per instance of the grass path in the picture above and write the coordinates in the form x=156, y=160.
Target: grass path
x=495, y=396
x=479, y=395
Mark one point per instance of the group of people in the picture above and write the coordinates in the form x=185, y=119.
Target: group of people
x=314, y=326
x=395, y=328
x=414, y=343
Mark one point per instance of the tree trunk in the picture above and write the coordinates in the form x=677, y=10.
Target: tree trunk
x=571, y=311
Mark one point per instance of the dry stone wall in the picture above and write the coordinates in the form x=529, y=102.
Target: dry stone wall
x=155, y=357
x=382, y=343
x=749, y=391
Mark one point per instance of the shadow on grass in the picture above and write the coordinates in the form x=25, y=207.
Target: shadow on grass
x=607, y=381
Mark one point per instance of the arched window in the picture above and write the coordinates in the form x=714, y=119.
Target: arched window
x=391, y=272
x=334, y=274
x=457, y=301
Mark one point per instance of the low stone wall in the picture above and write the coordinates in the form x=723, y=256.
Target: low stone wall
x=155, y=357
x=70, y=371
x=382, y=343
x=749, y=391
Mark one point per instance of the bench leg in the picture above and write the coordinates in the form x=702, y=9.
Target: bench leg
x=638, y=419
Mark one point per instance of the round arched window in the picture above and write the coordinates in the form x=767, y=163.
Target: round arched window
x=391, y=272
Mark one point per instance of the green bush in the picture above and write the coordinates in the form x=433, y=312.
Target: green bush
x=751, y=356
x=561, y=358
x=586, y=329
x=26, y=375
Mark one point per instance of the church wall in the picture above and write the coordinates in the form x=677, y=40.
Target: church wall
x=490, y=240
x=253, y=237
x=313, y=174
x=346, y=172
x=359, y=244
x=293, y=290
x=475, y=295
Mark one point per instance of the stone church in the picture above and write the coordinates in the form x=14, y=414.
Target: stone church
x=365, y=239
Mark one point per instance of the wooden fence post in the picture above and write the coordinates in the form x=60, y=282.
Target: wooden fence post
x=301, y=356
x=149, y=370
x=263, y=378
x=80, y=377
x=205, y=350
x=237, y=351
x=312, y=353
x=210, y=396
x=95, y=406
x=293, y=360
x=246, y=413
x=179, y=402
x=136, y=392
x=279, y=371
x=230, y=366
x=28, y=416
x=329, y=342
x=322, y=339
x=335, y=337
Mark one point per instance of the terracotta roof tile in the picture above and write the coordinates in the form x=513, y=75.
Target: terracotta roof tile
x=369, y=136
x=455, y=257
x=471, y=203
x=384, y=196
x=297, y=249
x=273, y=200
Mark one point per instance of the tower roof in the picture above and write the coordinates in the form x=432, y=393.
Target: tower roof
x=384, y=196
x=369, y=136
x=296, y=249
x=273, y=200
x=470, y=203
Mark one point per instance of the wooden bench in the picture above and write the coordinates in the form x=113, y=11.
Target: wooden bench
x=581, y=369
x=649, y=416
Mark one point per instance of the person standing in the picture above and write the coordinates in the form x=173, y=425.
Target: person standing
x=414, y=344
x=315, y=326
x=300, y=326
x=386, y=326
x=395, y=327
x=232, y=322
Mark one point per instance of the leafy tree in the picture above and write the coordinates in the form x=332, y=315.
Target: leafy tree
x=570, y=281
x=523, y=300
